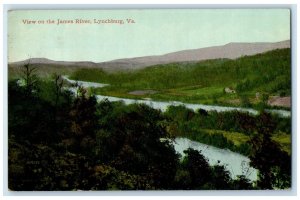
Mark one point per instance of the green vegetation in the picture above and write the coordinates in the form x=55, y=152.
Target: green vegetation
x=44, y=70
x=203, y=82
x=232, y=130
x=79, y=144
x=58, y=141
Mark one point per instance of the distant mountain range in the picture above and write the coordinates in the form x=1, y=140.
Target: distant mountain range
x=230, y=51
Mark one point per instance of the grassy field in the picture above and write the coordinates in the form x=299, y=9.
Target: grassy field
x=283, y=139
x=202, y=82
x=235, y=137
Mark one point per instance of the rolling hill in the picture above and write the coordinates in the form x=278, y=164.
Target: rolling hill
x=229, y=51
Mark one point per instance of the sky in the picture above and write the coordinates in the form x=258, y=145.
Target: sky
x=155, y=32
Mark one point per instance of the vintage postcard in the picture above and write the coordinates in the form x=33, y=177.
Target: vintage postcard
x=149, y=99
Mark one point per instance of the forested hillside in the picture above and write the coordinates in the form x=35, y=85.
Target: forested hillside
x=249, y=79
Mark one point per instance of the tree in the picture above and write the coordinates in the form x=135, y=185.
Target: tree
x=30, y=78
x=198, y=168
x=274, y=165
x=83, y=123
x=242, y=183
x=58, y=87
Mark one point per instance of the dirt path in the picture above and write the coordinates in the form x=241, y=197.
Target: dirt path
x=280, y=101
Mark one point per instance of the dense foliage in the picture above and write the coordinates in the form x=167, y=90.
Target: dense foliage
x=232, y=130
x=58, y=141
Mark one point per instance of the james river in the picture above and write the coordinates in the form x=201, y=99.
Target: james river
x=235, y=163
x=164, y=105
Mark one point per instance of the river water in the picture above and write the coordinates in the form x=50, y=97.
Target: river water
x=163, y=106
x=235, y=163
x=84, y=83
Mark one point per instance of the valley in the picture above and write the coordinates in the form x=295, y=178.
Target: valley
x=230, y=114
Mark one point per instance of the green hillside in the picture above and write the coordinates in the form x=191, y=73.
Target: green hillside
x=253, y=78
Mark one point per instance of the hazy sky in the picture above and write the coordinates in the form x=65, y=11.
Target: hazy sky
x=154, y=32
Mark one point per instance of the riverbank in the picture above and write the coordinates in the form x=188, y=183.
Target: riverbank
x=164, y=105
